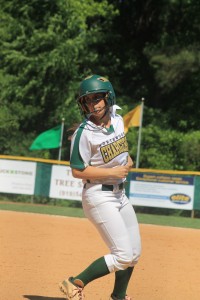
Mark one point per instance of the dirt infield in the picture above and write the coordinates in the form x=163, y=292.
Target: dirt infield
x=37, y=251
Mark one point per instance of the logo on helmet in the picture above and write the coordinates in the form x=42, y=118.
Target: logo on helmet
x=102, y=79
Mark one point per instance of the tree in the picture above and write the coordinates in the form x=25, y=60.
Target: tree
x=157, y=49
x=175, y=61
x=45, y=50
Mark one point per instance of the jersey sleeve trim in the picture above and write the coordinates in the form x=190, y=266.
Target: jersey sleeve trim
x=76, y=161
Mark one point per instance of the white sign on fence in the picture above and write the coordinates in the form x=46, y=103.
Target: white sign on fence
x=17, y=177
x=64, y=185
x=160, y=190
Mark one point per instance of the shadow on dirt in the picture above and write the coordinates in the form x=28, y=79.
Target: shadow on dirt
x=35, y=297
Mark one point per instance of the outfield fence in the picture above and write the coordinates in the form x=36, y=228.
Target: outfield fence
x=53, y=178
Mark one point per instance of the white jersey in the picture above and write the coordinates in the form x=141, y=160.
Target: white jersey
x=100, y=147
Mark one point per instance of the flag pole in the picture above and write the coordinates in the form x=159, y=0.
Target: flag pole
x=61, y=139
x=139, y=135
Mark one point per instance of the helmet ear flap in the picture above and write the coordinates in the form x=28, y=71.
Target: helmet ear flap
x=111, y=99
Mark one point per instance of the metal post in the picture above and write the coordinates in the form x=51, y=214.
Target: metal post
x=192, y=214
x=139, y=134
x=61, y=139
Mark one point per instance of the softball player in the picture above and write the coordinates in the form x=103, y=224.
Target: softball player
x=99, y=156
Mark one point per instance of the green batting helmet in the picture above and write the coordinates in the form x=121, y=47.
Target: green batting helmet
x=95, y=84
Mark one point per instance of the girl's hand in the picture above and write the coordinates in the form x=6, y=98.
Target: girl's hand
x=119, y=172
x=130, y=162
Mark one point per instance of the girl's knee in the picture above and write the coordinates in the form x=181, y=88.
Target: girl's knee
x=123, y=262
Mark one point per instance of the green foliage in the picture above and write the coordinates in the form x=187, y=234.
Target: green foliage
x=189, y=151
x=175, y=63
x=162, y=147
x=44, y=49
x=166, y=149
x=147, y=49
x=158, y=147
x=173, y=69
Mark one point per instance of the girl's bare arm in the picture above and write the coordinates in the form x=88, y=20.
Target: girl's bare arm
x=94, y=173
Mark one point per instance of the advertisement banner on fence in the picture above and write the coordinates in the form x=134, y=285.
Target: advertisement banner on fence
x=64, y=185
x=162, y=190
x=17, y=177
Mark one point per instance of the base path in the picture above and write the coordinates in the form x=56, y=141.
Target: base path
x=38, y=251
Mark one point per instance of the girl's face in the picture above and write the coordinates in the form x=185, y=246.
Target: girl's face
x=96, y=104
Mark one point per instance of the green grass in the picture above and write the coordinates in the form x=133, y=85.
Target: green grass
x=43, y=209
x=175, y=221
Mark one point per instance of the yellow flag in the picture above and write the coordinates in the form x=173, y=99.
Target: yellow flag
x=132, y=118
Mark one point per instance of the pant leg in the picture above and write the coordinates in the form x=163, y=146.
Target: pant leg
x=129, y=217
x=115, y=220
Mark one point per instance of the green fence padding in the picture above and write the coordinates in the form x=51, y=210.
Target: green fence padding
x=197, y=193
x=43, y=179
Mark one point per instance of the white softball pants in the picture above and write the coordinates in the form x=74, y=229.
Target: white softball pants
x=115, y=219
